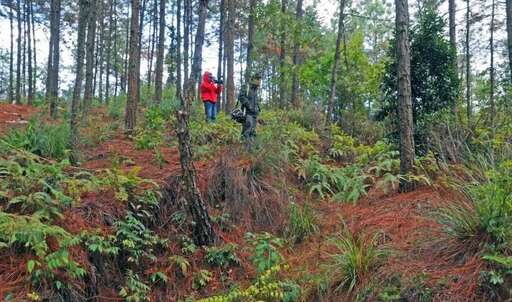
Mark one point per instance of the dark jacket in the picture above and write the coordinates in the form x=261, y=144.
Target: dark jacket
x=250, y=102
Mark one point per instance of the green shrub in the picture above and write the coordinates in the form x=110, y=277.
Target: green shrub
x=47, y=140
x=266, y=250
x=222, y=256
x=302, y=222
x=356, y=255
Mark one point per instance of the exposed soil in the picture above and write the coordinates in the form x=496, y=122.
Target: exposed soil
x=14, y=115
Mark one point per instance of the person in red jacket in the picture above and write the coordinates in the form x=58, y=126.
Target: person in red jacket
x=210, y=89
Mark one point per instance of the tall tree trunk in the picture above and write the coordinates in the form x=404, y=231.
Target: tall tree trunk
x=282, y=55
x=453, y=38
x=468, y=65
x=134, y=70
x=54, y=58
x=18, y=55
x=509, y=35
x=151, y=45
x=250, y=40
x=221, y=44
x=186, y=38
x=108, y=55
x=24, y=54
x=491, y=69
x=34, y=47
x=334, y=72
x=126, y=50
x=116, y=65
x=141, y=42
x=407, y=152
x=296, y=48
x=230, y=55
x=98, y=65
x=30, y=96
x=11, y=58
x=178, y=48
x=203, y=232
x=159, y=68
x=82, y=25
x=89, y=58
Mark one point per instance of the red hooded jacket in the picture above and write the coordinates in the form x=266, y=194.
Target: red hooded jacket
x=209, y=90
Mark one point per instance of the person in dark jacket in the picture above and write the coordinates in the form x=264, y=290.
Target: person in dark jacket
x=251, y=105
x=210, y=89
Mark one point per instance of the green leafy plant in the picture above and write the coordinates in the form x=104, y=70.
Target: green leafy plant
x=222, y=256
x=181, y=263
x=201, y=279
x=266, y=250
x=134, y=289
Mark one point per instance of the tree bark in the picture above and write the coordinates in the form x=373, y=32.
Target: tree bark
x=89, y=59
x=230, y=55
x=30, y=96
x=74, y=131
x=54, y=58
x=468, y=65
x=116, y=67
x=159, y=72
x=282, y=55
x=491, y=69
x=126, y=50
x=202, y=230
x=509, y=35
x=221, y=44
x=334, y=72
x=34, y=47
x=134, y=70
x=296, y=48
x=178, y=48
x=407, y=152
x=108, y=55
x=11, y=58
x=18, y=56
x=250, y=40
x=186, y=38
x=453, y=38
x=151, y=46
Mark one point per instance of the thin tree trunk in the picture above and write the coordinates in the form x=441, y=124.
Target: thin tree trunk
x=89, y=58
x=11, y=58
x=221, y=43
x=108, y=56
x=127, y=39
x=509, y=36
x=82, y=25
x=250, y=40
x=491, y=68
x=141, y=42
x=186, y=38
x=54, y=58
x=178, y=48
x=34, y=47
x=134, y=70
x=151, y=46
x=407, y=152
x=18, y=55
x=334, y=72
x=99, y=51
x=203, y=232
x=159, y=68
x=282, y=55
x=453, y=38
x=30, y=96
x=468, y=66
x=296, y=48
x=116, y=66
x=24, y=54
x=230, y=55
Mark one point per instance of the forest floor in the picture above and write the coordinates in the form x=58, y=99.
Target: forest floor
x=419, y=262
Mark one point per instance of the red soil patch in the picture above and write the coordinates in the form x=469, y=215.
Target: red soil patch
x=14, y=115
